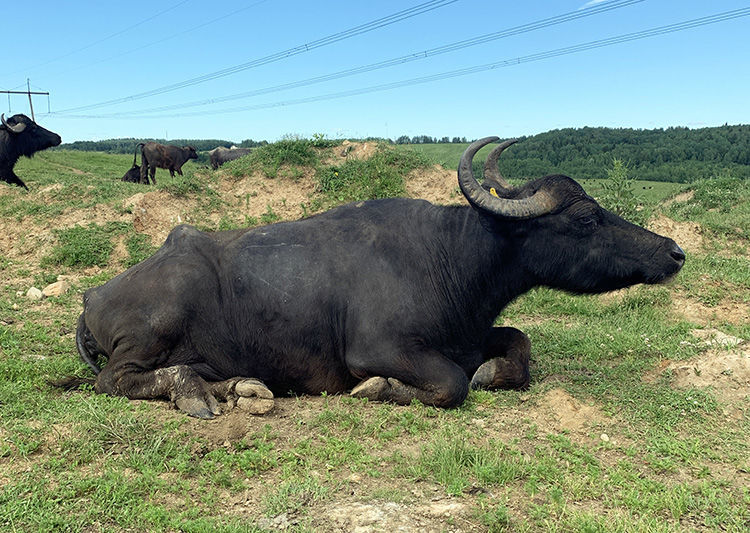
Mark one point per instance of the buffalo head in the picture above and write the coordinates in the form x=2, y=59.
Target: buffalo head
x=19, y=135
x=565, y=239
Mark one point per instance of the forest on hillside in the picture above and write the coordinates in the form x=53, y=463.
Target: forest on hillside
x=673, y=154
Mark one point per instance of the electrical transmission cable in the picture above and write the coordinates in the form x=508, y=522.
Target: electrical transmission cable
x=452, y=47
x=591, y=45
x=164, y=39
x=324, y=41
x=99, y=41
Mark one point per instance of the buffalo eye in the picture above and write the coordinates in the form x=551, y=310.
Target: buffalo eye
x=587, y=221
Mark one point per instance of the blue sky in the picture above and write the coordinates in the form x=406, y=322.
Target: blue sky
x=98, y=60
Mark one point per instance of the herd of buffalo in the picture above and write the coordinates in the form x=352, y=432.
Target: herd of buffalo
x=19, y=135
x=391, y=299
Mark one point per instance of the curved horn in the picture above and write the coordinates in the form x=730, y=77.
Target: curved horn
x=491, y=169
x=540, y=203
x=18, y=128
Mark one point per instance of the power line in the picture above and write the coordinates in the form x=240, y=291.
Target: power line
x=324, y=41
x=99, y=41
x=591, y=45
x=169, y=37
x=451, y=47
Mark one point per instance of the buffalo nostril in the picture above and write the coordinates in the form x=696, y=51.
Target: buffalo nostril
x=677, y=254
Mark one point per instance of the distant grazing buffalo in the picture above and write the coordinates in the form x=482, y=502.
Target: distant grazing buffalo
x=155, y=155
x=19, y=135
x=392, y=299
x=221, y=155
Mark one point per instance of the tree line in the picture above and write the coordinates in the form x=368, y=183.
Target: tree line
x=127, y=145
x=676, y=154
x=671, y=154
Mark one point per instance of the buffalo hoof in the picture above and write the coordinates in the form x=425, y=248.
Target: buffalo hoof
x=372, y=388
x=199, y=408
x=384, y=390
x=501, y=373
x=253, y=396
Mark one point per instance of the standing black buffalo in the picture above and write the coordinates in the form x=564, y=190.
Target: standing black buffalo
x=221, y=155
x=395, y=298
x=155, y=155
x=19, y=135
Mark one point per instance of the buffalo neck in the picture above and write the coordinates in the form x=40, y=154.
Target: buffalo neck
x=476, y=264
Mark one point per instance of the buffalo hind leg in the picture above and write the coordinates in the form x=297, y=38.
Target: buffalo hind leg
x=188, y=391
x=506, y=353
x=425, y=375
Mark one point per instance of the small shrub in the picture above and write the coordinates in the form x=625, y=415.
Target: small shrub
x=270, y=158
x=618, y=195
x=381, y=176
x=85, y=246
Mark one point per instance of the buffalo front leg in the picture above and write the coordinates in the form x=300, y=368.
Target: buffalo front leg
x=424, y=375
x=506, y=352
x=248, y=394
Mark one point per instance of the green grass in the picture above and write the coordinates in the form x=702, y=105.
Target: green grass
x=84, y=246
x=380, y=176
x=675, y=458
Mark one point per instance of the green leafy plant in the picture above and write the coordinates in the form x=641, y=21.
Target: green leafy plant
x=618, y=194
x=84, y=246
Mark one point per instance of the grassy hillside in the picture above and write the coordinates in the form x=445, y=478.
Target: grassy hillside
x=637, y=418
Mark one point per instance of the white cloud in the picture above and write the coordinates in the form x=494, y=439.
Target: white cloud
x=591, y=3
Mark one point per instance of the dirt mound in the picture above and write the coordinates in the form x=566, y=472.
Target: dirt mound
x=350, y=150
x=257, y=195
x=436, y=184
x=155, y=213
x=688, y=235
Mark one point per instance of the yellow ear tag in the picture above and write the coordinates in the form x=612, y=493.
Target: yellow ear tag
x=493, y=192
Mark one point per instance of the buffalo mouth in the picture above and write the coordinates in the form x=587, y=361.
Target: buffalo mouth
x=677, y=255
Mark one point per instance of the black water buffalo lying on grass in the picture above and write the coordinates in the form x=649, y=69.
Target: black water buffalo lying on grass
x=133, y=175
x=19, y=135
x=395, y=299
x=155, y=155
x=221, y=155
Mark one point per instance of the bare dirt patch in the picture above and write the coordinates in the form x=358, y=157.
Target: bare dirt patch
x=558, y=411
x=350, y=150
x=155, y=213
x=727, y=310
x=688, y=235
x=258, y=195
x=679, y=198
x=435, y=184
x=436, y=516
x=724, y=369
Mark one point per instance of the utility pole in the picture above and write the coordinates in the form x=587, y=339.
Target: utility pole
x=29, y=92
x=31, y=104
